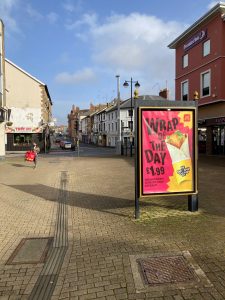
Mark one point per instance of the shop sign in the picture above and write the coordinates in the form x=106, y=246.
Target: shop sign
x=220, y=120
x=10, y=129
x=197, y=38
x=167, y=152
x=215, y=121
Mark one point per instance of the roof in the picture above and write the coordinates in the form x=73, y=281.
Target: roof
x=127, y=103
x=111, y=108
x=101, y=110
x=32, y=77
x=219, y=7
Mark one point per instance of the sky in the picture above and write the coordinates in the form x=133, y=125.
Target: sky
x=77, y=47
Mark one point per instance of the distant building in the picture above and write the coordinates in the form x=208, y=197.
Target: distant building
x=200, y=74
x=99, y=124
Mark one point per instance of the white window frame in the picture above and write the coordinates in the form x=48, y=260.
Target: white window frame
x=203, y=48
x=185, y=61
x=201, y=77
x=181, y=89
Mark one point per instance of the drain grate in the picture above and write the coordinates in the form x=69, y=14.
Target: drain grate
x=30, y=251
x=164, y=270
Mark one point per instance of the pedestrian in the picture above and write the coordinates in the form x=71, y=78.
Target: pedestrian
x=36, y=150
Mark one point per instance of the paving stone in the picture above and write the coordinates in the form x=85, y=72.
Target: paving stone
x=102, y=230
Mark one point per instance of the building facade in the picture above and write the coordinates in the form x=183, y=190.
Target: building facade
x=30, y=110
x=200, y=74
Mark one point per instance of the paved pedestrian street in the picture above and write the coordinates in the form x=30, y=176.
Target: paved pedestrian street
x=67, y=231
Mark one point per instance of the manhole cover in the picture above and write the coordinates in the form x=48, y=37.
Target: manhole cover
x=30, y=251
x=164, y=270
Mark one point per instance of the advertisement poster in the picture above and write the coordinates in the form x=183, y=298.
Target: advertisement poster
x=167, y=151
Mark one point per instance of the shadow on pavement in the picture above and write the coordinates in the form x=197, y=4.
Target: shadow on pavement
x=102, y=203
x=22, y=166
x=211, y=193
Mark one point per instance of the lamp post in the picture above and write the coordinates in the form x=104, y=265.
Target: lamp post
x=118, y=148
x=137, y=85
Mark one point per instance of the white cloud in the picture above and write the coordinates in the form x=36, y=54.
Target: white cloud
x=135, y=42
x=6, y=7
x=70, y=7
x=133, y=45
x=211, y=4
x=85, y=75
x=89, y=20
x=33, y=13
x=52, y=17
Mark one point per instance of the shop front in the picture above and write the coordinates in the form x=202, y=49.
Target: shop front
x=22, y=138
x=212, y=136
x=211, y=128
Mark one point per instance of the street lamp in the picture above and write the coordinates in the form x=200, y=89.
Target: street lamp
x=137, y=85
x=118, y=146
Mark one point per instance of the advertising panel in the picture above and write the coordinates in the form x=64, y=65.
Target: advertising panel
x=167, y=151
x=25, y=120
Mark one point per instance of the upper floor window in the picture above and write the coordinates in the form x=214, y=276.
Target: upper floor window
x=184, y=90
x=206, y=48
x=185, y=61
x=205, y=84
x=130, y=112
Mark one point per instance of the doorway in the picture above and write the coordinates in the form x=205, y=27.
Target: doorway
x=219, y=140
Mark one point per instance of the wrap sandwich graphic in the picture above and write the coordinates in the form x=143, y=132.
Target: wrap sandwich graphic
x=178, y=147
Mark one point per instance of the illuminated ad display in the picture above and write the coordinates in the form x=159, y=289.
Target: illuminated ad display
x=167, y=152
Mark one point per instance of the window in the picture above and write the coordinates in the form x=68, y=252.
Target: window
x=206, y=48
x=24, y=139
x=185, y=61
x=130, y=112
x=112, y=126
x=184, y=90
x=109, y=127
x=205, y=84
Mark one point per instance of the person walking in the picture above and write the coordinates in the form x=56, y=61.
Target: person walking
x=36, y=150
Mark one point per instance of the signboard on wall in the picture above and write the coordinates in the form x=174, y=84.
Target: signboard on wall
x=194, y=40
x=167, y=155
x=25, y=120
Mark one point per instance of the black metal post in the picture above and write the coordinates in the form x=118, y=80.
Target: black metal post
x=136, y=171
x=193, y=202
x=131, y=111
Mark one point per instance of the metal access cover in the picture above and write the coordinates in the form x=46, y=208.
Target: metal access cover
x=31, y=251
x=164, y=270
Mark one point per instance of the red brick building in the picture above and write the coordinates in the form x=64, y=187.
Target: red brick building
x=200, y=73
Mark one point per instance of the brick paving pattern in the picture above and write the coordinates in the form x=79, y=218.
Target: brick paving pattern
x=102, y=231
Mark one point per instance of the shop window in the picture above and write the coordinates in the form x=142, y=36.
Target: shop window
x=24, y=139
x=184, y=90
x=185, y=61
x=205, y=84
x=206, y=48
